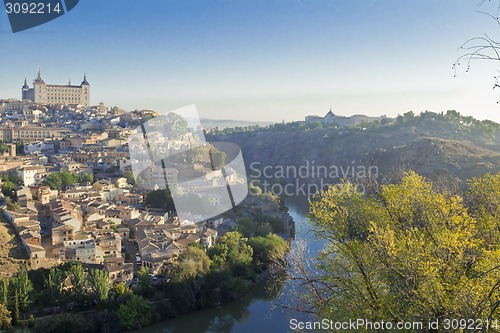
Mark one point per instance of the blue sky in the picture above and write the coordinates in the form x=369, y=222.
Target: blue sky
x=267, y=60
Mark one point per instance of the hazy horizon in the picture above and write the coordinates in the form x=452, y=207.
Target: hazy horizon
x=262, y=60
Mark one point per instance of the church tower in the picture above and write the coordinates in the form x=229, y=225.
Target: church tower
x=40, y=90
x=26, y=90
x=85, y=91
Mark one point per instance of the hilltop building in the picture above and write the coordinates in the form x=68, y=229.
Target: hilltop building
x=43, y=93
x=332, y=119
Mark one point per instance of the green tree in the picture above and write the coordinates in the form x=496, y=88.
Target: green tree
x=5, y=318
x=13, y=178
x=86, y=178
x=190, y=269
x=4, y=291
x=13, y=206
x=135, y=313
x=407, y=252
x=55, y=282
x=22, y=287
x=266, y=249
x=239, y=255
x=59, y=180
x=8, y=188
x=409, y=115
x=145, y=280
x=65, y=322
x=99, y=283
x=120, y=289
x=78, y=277
x=3, y=148
x=218, y=254
x=16, y=311
x=130, y=177
x=160, y=199
x=191, y=263
x=217, y=157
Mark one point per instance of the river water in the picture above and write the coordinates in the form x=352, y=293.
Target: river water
x=257, y=311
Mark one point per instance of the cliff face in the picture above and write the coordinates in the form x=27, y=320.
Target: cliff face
x=432, y=146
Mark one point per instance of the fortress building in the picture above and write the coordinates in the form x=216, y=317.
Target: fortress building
x=43, y=93
x=332, y=119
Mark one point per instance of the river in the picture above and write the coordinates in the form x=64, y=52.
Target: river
x=257, y=311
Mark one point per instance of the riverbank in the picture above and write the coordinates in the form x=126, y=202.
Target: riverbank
x=221, y=283
x=258, y=310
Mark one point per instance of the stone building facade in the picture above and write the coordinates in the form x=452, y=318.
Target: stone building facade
x=43, y=93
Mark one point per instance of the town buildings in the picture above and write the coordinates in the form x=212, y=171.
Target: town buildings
x=101, y=220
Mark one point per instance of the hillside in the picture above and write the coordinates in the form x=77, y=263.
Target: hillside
x=431, y=144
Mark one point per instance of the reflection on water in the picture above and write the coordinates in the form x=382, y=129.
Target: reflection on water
x=246, y=314
x=258, y=310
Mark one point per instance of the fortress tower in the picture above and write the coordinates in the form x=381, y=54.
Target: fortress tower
x=43, y=93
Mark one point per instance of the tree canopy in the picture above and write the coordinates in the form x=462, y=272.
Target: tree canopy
x=59, y=180
x=408, y=251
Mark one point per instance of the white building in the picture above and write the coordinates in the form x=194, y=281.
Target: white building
x=31, y=174
x=37, y=147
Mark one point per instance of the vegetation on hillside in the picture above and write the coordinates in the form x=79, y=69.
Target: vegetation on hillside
x=405, y=252
x=9, y=183
x=395, y=145
x=59, y=180
x=452, y=117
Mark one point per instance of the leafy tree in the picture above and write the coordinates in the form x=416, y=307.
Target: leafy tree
x=59, y=180
x=218, y=254
x=4, y=291
x=145, y=280
x=65, y=322
x=191, y=263
x=16, y=311
x=260, y=226
x=407, y=116
x=13, y=178
x=4, y=148
x=160, y=199
x=5, y=318
x=99, y=283
x=22, y=286
x=106, y=321
x=266, y=249
x=86, y=178
x=53, y=181
x=239, y=255
x=130, y=177
x=55, y=282
x=135, y=313
x=407, y=252
x=120, y=289
x=217, y=158
x=12, y=206
x=190, y=269
x=78, y=277
x=8, y=188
